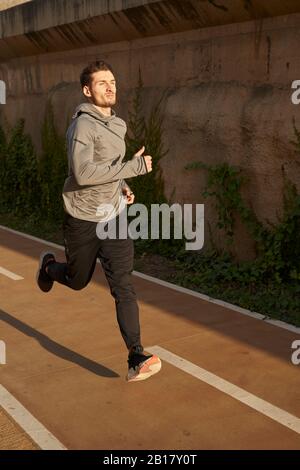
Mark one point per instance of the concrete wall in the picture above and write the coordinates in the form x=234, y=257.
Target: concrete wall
x=229, y=99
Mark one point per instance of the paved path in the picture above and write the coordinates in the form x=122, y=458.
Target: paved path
x=227, y=380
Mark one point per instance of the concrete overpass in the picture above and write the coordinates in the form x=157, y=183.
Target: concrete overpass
x=42, y=26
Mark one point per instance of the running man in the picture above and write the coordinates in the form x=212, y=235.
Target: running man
x=96, y=172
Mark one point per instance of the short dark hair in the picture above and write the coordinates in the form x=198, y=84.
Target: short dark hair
x=85, y=76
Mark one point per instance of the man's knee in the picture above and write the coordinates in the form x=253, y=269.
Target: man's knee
x=77, y=284
x=123, y=292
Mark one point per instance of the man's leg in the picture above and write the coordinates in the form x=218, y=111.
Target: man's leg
x=116, y=256
x=81, y=247
x=117, y=261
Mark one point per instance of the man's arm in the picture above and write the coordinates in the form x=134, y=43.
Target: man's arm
x=88, y=172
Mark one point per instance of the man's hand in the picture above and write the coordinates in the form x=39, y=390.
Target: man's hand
x=148, y=158
x=129, y=195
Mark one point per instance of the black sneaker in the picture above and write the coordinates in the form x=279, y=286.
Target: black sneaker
x=141, y=366
x=43, y=280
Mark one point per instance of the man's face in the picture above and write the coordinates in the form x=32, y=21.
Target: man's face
x=102, y=89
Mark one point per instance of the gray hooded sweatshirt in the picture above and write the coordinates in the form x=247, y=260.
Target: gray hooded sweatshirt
x=96, y=171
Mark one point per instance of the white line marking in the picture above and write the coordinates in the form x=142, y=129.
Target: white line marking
x=281, y=324
x=184, y=290
x=277, y=414
x=38, y=433
x=9, y=274
x=31, y=237
x=243, y=311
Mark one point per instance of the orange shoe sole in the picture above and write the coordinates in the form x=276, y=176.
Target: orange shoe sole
x=148, y=368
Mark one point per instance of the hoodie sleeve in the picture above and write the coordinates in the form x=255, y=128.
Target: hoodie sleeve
x=88, y=172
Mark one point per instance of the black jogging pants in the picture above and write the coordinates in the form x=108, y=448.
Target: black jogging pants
x=82, y=248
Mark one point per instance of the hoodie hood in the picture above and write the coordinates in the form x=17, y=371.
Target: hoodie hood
x=89, y=108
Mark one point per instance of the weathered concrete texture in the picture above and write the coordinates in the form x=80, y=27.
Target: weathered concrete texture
x=228, y=99
x=43, y=26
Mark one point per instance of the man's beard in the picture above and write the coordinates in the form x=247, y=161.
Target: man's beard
x=109, y=101
x=106, y=103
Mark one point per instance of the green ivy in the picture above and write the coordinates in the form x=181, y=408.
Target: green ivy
x=149, y=188
x=277, y=247
x=32, y=186
x=53, y=167
x=20, y=182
